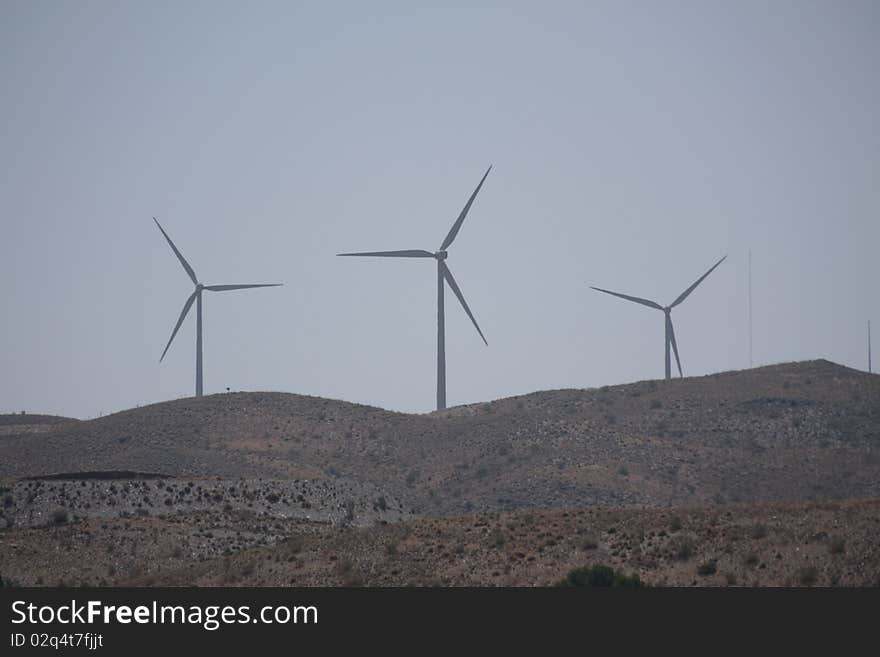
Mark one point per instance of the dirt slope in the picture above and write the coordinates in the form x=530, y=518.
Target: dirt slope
x=829, y=544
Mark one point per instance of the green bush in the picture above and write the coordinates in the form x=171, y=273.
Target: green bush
x=759, y=531
x=683, y=548
x=600, y=575
x=588, y=543
x=837, y=545
x=708, y=568
x=7, y=582
x=808, y=575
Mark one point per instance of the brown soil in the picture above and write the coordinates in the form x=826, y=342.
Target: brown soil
x=831, y=544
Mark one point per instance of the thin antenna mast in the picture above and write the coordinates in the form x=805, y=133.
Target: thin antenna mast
x=751, y=363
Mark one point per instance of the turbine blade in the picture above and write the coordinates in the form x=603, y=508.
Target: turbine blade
x=412, y=253
x=189, y=270
x=449, y=279
x=458, y=222
x=644, y=302
x=225, y=288
x=685, y=294
x=674, y=345
x=186, y=307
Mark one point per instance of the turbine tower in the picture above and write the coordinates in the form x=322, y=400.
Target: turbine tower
x=443, y=275
x=667, y=310
x=197, y=297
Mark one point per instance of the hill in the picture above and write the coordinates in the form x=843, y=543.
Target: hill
x=798, y=431
x=826, y=544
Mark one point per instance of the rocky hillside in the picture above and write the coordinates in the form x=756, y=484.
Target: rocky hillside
x=19, y=424
x=827, y=544
x=800, y=431
x=46, y=503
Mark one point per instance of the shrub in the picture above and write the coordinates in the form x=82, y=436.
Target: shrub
x=59, y=516
x=707, y=568
x=837, y=545
x=759, y=531
x=600, y=575
x=675, y=523
x=294, y=544
x=683, y=549
x=808, y=575
x=588, y=543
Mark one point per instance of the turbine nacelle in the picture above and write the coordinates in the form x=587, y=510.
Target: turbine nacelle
x=196, y=296
x=444, y=277
x=667, y=310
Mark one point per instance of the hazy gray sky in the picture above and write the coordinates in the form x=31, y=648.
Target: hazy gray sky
x=633, y=145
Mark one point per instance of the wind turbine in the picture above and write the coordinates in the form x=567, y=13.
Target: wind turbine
x=667, y=310
x=443, y=274
x=197, y=297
